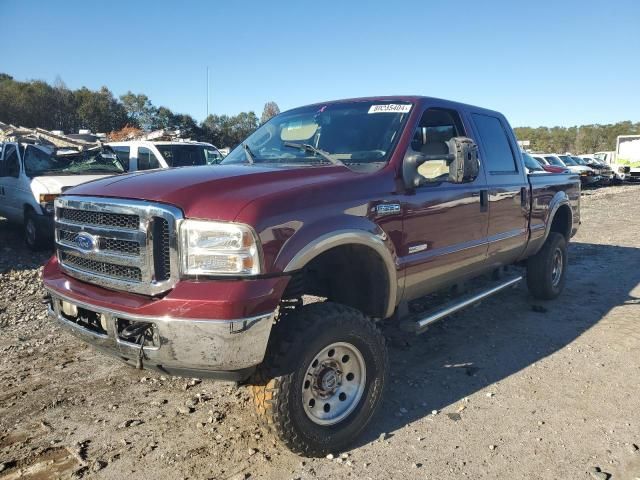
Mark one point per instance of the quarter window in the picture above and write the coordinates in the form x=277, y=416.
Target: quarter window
x=497, y=149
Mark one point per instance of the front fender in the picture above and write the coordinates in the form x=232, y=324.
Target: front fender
x=313, y=240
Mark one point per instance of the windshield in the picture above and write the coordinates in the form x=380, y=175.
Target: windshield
x=360, y=134
x=555, y=161
x=531, y=164
x=579, y=160
x=185, y=155
x=39, y=161
x=567, y=160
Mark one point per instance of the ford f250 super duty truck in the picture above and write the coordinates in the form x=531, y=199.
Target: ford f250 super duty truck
x=367, y=204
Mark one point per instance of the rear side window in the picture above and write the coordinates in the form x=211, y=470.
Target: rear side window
x=500, y=158
x=123, y=155
x=146, y=159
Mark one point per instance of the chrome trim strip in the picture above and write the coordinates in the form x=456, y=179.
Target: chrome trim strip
x=143, y=236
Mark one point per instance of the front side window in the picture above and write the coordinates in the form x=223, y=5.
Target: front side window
x=212, y=155
x=360, y=134
x=42, y=161
x=146, y=159
x=437, y=126
x=498, y=152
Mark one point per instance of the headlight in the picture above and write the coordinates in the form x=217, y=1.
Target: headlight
x=46, y=201
x=218, y=248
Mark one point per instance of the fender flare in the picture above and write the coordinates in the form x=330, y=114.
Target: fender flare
x=559, y=199
x=349, y=237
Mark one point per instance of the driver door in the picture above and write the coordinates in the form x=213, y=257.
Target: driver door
x=444, y=224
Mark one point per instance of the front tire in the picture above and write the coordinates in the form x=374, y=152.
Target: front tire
x=547, y=269
x=32, y=235
x=323, y=378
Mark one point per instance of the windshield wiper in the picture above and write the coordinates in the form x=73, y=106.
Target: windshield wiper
x=310, y=148
x=251, y=158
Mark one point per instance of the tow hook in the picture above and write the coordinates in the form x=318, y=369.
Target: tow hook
x=46, y=299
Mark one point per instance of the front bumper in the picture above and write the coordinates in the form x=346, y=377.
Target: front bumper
x=218, y=349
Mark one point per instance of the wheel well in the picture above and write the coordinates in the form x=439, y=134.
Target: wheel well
x=353, y=275
x=561, y=222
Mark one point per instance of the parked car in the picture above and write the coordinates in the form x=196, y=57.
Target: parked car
x=33, y=175
x=368, y=204
x=548, y=167
x=605, y=172
x=587, y=176
x=148, y=155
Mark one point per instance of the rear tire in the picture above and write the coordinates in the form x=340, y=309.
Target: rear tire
x=322, y=379
x=547, y=269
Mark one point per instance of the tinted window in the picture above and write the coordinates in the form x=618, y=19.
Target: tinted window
x=496, y=144
x=123, y=155
x=182, y=155
x=146, y=159
x=10, y=167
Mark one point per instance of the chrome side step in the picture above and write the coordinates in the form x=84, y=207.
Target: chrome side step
x=419, y=326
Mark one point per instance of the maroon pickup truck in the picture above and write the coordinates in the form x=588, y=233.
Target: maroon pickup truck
x=362, y=205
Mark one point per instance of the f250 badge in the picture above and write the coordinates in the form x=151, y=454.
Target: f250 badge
x=388, y=208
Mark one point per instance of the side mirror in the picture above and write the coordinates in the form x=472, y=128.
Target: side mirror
x=461, y=164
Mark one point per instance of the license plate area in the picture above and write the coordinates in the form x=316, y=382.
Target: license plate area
x=87, y=319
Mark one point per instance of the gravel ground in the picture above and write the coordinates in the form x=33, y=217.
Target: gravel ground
x=512, y=389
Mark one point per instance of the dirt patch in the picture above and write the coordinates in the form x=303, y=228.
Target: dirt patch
x=514, y=388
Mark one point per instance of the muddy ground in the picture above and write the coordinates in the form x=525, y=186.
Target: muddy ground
x=511, y=389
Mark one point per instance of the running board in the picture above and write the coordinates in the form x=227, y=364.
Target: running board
x=420, y=326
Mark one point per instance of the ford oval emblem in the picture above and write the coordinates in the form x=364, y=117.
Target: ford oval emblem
x=86, y=241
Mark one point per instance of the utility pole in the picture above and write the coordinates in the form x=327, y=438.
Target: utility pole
x=207, y=90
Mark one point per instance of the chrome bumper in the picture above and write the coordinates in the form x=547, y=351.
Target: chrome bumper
x=219, y=349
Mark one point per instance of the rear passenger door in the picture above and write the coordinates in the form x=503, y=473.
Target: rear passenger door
x=508, y=188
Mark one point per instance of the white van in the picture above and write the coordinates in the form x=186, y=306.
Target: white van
x=146, y=155
x=33, y=175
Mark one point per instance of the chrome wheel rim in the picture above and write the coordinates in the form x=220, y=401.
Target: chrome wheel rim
x=556, y=271
x=30, y=228
x=333, y=383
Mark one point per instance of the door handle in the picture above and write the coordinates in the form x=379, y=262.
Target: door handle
x=484, y=200
x=523, y=197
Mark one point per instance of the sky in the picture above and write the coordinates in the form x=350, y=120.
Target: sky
x=540, y=62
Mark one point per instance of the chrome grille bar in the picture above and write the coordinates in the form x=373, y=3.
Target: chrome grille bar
x=118, y=244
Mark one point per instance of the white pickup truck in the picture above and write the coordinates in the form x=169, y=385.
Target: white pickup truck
x=33, y=175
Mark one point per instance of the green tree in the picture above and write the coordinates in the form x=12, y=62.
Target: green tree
x=140, y=110
x=271, y=109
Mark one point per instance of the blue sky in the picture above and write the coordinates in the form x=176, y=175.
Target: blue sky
x=541, y=62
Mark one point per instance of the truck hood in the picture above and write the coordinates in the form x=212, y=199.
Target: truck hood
x=55, y=184
x=211, y=192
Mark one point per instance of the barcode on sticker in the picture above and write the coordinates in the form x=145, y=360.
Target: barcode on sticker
x=390, y=108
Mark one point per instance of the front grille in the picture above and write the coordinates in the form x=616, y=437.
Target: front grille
x=102, y=268
x=87, y=217
x=127, y=245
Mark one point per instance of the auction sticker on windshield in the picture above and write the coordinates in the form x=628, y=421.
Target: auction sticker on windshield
x=390, y=108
